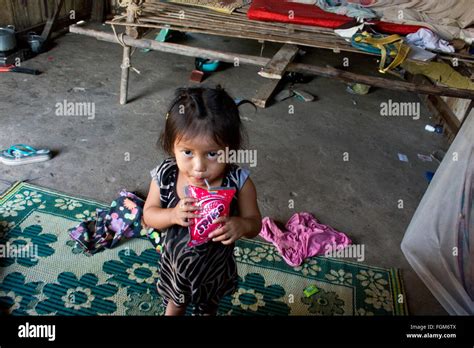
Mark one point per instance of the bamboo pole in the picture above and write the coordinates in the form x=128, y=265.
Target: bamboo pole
x=126, y=60
x=262, y=61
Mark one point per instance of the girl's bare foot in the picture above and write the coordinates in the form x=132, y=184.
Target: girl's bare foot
x=172, y=309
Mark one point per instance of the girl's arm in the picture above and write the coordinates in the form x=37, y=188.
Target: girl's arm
x=248, y=209
x=161, y=218
x=153, y=215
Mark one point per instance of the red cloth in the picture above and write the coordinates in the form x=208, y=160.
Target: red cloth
x=278, y=11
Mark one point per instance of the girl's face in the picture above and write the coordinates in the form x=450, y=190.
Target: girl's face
x=197, y=160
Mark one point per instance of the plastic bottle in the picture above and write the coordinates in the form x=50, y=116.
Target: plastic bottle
x=429, y=128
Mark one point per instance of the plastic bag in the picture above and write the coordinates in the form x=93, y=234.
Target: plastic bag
x=215, y=203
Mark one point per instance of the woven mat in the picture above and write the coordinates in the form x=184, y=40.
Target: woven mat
x=57, y=278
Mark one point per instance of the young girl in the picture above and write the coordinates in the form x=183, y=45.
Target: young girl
x=200, y=122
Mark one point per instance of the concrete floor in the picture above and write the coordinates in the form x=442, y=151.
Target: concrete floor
x=300, y=155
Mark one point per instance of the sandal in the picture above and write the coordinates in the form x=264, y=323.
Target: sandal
x=23, y=154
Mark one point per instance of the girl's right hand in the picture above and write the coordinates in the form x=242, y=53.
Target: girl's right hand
x=182, y=213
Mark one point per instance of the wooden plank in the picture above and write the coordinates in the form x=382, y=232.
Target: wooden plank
x=457, y=105
x=98, y=11
x=262, y=61
x=380, y=81
x=18, y=15
x=59, y=24
x=26, y=13
x=23, y=7
x=188, y=14
x=82, y=5
x=276, y=67
x=274, y=70
x=35, y=13
x=47, y=30
x=70, y=5
x=265, y=92
x=446, y=113
x=64, y=10
x=44, y=10
x=87, y=6
x=6, y=15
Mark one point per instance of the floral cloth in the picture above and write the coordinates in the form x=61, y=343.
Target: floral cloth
x=122, y=220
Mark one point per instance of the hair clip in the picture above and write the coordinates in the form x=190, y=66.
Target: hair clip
x=167, y=115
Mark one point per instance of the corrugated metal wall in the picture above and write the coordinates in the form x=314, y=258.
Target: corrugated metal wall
x=24, y=14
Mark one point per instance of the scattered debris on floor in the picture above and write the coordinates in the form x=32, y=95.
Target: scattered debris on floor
x=424, y=158
x=196, y=76
x=302, y=95
x=402, y=157
x=77, y=89
x=434, y=129
x=358, y=88
x=310, y=290
x=291, y=92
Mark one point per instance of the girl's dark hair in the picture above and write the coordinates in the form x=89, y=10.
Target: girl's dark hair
x=201, y=111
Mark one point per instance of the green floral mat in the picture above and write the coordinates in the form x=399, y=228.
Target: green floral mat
x=61, y=280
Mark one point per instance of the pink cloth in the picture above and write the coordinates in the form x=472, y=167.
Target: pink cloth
x=305, y=237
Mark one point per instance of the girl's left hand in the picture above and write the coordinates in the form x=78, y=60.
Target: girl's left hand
x=233, y=229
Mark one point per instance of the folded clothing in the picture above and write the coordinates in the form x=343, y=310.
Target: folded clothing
x=304, y=237
x=425, y=38
x=122, y=220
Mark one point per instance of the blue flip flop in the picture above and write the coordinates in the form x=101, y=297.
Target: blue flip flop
x=23, y=154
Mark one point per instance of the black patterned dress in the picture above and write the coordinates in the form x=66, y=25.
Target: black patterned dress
x=199, y=275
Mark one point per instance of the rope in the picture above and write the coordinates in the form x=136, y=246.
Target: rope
x=119, y=38
x=136, y=9
x=126, y=3
x=123, y=3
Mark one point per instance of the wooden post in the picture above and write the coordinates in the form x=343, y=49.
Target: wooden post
x=126, y=60
x=48, y=28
